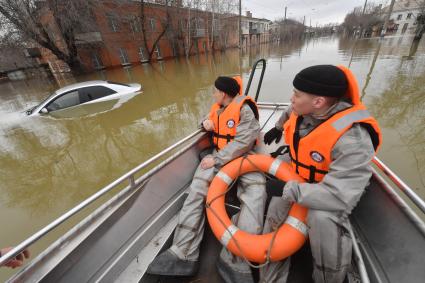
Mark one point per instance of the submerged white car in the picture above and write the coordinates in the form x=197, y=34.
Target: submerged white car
x=83, y=93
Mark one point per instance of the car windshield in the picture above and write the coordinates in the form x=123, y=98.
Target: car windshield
x=48, y=98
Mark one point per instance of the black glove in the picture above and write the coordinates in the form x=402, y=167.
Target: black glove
x=273, y=134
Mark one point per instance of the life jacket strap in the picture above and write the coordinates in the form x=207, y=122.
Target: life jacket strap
x=227, y=137
x=312, y=169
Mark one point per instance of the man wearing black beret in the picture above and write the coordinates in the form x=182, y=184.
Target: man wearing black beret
x=331, y=139
x=234, y=128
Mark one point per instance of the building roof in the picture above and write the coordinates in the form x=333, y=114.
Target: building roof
x=403, y=5
x=252, y=18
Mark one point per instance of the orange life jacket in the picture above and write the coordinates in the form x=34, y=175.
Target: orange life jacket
x=311, y=154
x=226, y=122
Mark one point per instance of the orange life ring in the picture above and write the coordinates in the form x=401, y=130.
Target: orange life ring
x=291, y=235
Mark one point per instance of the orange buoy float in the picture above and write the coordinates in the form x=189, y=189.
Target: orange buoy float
x=256, y=248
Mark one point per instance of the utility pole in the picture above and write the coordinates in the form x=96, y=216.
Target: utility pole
x=240, y=23
x=211, y=43
x=309, y=31
x=361, y=25
x=364, y=7
x=286, y=8
x=387, y=18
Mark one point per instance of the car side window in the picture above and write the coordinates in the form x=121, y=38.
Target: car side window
x=94, y=92
x=67, y=100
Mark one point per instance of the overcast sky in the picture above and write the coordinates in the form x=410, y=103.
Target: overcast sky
x=320, y=11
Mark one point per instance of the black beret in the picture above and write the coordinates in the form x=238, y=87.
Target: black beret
x=322, y=80
x=227, y=85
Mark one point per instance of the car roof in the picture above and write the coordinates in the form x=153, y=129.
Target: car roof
x=80, y=85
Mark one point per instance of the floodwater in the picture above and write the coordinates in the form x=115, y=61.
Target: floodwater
x=50, y=163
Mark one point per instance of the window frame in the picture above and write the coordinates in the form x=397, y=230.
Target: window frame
x=112, y=22
x=142, y=54
x=135, y=24
x=152, y=24
x=123, y=55
x=97, y=61
x=158, y=52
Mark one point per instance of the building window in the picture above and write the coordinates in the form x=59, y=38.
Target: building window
x=112, y=22
x=135, y=24
x=199, y=23
x=399, y=17
x=152, y=24
x=196, y=45
x=175, y=48
x=409, y=16
x=183, y=24
x=215, y=24
x=97, y=61
x=124, y=57
x=142, y=54
x=158, y=52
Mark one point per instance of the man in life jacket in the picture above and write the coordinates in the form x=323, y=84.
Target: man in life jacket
x=233, y=123
x=332, y=139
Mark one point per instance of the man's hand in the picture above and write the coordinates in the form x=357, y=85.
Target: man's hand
x=271, y=135
x=18, y=260
x=207, y=162
x=208, y=125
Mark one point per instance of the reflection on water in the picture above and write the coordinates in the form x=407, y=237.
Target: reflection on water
x=50, y=163
x=400, y=108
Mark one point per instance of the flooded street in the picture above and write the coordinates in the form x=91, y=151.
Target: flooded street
x=50, y=163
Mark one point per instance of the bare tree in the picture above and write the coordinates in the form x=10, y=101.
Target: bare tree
x=288, y=29
x=165, y=25
x=362, y=20
x=225, y=22
x=52, y=24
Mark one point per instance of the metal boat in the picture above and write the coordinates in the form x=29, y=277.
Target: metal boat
x=118, y=241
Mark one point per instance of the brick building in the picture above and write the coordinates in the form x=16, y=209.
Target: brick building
x=115, y=36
